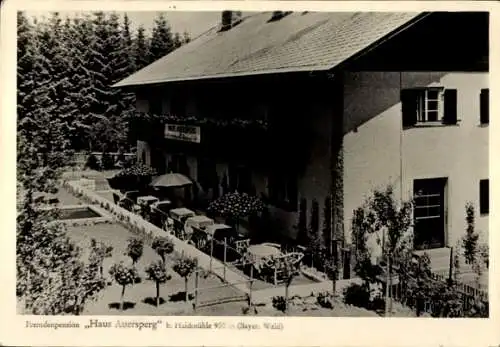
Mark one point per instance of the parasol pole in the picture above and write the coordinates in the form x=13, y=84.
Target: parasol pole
x=211, y=251
x=225, y=251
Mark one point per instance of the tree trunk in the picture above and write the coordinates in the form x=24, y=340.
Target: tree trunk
x=286, y=298
x=186, y=289
x=157, y=294
x=121, y=299
x=389, y=262
x=387, y=288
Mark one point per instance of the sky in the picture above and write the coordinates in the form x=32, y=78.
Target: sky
x=195, y=23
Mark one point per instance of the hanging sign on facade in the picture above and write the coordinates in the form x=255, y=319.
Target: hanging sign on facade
x=180, y=132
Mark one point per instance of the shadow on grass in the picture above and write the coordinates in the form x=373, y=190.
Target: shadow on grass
x=152, y=301
x=180, y=296
x=127, y=305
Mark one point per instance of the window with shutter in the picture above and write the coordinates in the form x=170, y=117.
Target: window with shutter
x=485, y=106
x=484, y=196
x=429, y=106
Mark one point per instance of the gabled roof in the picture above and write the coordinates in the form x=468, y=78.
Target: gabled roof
x=310, y=41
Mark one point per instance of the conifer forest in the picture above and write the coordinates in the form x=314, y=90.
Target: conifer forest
x=67, y=65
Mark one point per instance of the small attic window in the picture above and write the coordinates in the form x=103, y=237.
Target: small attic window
x=277, y=15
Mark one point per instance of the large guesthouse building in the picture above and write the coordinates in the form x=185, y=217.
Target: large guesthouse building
x=311, y=106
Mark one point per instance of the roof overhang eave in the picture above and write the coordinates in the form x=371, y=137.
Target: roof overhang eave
x=125, y=84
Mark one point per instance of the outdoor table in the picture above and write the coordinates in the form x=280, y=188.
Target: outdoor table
x=179, y=215
x=200, y=222
x=160, y=216
x=148, y=199
x=194, y=229
x=218, y=231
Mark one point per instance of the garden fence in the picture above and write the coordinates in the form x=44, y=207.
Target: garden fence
x=469, y=295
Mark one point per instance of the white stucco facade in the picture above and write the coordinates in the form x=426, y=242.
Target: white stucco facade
x=378, y=151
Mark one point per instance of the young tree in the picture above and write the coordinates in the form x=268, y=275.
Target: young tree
x=470, y=240
x=158, y=273
x=185, y=266
x=100, y=251
x=124, y=276
x=390, y=221
x=135, y=248
x=163, y=246
x=289, y=271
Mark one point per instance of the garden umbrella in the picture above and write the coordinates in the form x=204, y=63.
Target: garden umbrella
x=171, y=180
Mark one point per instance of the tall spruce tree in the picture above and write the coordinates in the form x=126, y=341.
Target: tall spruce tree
x=50, y=277
x=82, y=93
x=162, y=41
x=44, y=150
x=25, y=66
x=129, y=67
x=142, y=53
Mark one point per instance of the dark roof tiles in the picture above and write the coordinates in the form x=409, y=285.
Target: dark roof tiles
x=297, y=42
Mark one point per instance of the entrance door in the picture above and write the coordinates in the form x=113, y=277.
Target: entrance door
x=158, y=161
x=429, y=213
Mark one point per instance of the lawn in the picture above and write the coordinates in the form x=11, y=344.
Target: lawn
x=136, y=296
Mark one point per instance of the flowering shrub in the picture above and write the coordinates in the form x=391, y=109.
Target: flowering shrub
x=280, y=303
x=185, y=266
x=236, y=205
x=157, y=272
x=137, y=170
x=357, y=295
x=162, y=246
x=123, y=275
x=324, y=300
x=135, y=248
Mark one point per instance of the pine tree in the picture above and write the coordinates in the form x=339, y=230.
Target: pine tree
x=162, y=41
x=50, y=277
x=82, y=94
x=127, y=61
x=25, y=65
x=142, y=54
x=178, y=40
x=186, y=38
x=43, y=150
